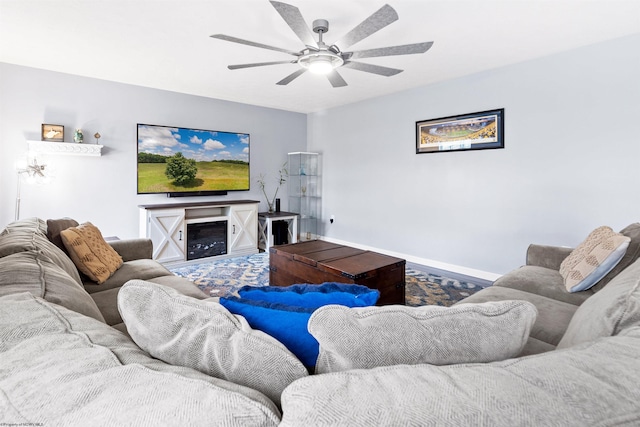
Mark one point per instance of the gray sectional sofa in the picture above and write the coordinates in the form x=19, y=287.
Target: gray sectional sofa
x=65, y=361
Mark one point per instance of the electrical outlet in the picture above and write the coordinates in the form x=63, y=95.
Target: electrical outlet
x=332, y=218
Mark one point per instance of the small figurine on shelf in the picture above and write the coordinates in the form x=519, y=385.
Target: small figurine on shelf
x=97, y=137
x=78, y=136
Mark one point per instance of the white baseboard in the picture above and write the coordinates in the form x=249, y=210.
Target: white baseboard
x=464, y=271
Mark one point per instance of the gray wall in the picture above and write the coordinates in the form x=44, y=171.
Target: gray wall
x=571, y=162
x=103, y=189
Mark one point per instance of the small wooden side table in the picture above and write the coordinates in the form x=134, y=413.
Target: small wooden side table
x=265, y=227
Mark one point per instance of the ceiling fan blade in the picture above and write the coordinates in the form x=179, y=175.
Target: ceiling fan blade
x=407, y=49
x=292, y=77
x=254, y=44
x=380, y=19
x=336, y=79
x=370, y=68
x=294, y=19
x=258, y=64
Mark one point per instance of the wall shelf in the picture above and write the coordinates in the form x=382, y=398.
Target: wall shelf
x=65, y=148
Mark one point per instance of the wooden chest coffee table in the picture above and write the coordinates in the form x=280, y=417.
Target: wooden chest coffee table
x=317, y=261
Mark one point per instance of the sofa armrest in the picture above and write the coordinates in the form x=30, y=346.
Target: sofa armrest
x=547, y=256
x=131, y=249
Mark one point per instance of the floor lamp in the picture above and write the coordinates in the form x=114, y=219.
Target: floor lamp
x=35, y=173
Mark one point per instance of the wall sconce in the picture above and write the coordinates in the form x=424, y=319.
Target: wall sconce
x=35, y=173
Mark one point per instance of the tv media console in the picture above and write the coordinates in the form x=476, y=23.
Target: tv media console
x=183, y=232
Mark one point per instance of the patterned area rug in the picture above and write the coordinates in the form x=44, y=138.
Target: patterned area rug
x=225, y=277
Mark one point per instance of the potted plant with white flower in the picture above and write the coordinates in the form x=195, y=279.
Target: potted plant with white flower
x=262, y=182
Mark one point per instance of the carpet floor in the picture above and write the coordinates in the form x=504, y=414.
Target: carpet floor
x=224, y=277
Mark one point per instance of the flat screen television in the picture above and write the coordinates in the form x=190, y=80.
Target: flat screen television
x=191, y=162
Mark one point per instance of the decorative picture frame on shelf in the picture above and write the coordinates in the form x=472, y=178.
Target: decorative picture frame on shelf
x=52, y=133
x=475, y=131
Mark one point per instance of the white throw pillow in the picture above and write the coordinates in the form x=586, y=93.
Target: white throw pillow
x=205, y=336
x=592, y=259
x=361, y=338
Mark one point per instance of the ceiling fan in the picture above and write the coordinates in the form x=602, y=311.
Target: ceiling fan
x=320, y=58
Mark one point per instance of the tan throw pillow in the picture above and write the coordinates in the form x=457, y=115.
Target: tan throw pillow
x=90, y=252
x=592, y=259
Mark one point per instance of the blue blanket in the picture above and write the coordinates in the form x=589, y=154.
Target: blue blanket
x=283, y=312
x=313, y=296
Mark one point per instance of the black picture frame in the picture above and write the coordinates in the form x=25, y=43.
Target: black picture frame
x=53, y=133
x=476, y=131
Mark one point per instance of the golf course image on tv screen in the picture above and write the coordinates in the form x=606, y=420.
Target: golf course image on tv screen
x=184, y=160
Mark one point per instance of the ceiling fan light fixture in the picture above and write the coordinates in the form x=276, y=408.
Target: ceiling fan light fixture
x=320, y=65
x=320, y=62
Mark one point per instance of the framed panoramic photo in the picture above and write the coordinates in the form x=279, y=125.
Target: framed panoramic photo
x=53, y=133
x=475, y=131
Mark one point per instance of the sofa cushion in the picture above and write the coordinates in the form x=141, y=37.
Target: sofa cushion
x=542, y=281
x=60, y=367
x=362, y=338
x=28, y=235
x=107, y=303
x=553, y=316
x=180, y=284
x=592, y=259
x=133, y=249
x=142, y=269
x=547, y=256
x=34, y=272
x=609, y=311
x=107, y=298
x=32, y=224
x=203, y=335
x=55, y=226
x=535, y=346
x=595, y=384
x=90, y=252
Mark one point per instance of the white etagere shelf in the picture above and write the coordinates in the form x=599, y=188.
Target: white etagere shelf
x=65, y=148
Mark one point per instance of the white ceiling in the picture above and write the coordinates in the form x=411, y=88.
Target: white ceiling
x=165, y=43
